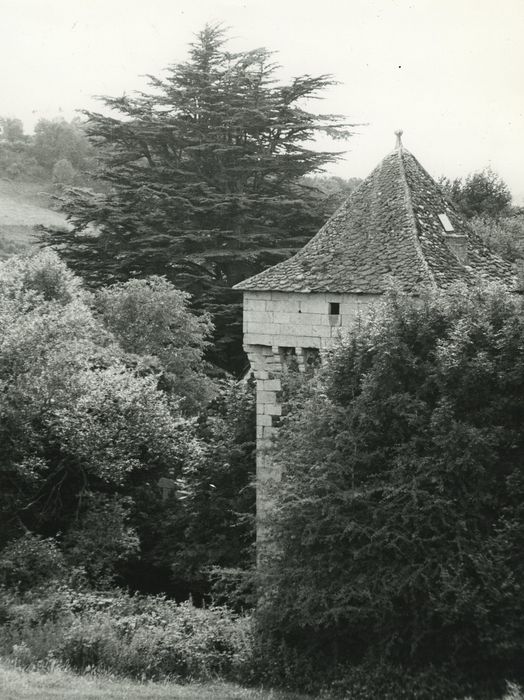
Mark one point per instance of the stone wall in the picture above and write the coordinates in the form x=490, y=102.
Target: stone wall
x=278, y=325
x=281, y=319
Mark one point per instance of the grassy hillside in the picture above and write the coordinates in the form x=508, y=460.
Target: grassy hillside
x=23, y=206
x=16, y=684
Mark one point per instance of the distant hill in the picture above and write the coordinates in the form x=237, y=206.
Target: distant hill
x=23, y=206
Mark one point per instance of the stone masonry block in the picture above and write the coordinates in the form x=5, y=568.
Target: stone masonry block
x=280, y=318
x=256, y=327
x=269, y=409
x=320, y=331
x=264, y=397
x=275, y=410
x=257, y=295
x=307, y=319
x=255, y=304
x=286, y=341
x=272, y=385
x=284, y=304
x=259, y=317
x=259, y=338
x=308, y=341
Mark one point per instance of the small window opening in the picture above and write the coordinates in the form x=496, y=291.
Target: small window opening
x=446, y=223
x=334, y=308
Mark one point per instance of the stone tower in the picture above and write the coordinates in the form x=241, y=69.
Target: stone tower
x=397, y=226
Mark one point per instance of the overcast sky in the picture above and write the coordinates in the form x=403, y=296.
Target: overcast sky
x=450, y=73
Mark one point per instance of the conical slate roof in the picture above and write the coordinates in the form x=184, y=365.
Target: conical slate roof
x=396, y=224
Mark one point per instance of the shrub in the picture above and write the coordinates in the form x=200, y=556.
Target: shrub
x=175, y=641
x=31, y=561
x=142, y=637
x=63, y=172
x=399, y=521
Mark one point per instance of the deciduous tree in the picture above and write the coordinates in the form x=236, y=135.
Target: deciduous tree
x=78, y=425
x=481, y=194
x=152, y=320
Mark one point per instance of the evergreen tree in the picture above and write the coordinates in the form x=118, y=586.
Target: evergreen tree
x=203, y=180
x=399, y=519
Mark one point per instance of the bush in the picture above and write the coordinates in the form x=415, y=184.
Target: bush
x=141, y=637
x=399, y=522
x=31, y=561
x=183, y=642
x=63, y=172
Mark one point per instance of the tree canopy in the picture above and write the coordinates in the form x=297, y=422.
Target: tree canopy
x=75, y=419
x=57, y=151
x=101, y=396
x=151, y=320
x=481, y=194
x=204, y=179
x=399, y=521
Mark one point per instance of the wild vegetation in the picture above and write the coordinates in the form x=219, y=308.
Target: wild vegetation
x=127, y=452
x=399, y=521
x=102, y=397
x=58, y=152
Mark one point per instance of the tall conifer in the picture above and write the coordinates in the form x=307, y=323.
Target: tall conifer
x=203, y=180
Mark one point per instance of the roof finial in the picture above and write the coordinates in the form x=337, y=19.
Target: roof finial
x=398, y=134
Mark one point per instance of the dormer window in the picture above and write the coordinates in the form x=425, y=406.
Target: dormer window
x=334, y=308
x=446, y=223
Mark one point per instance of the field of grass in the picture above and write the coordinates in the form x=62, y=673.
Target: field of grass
x=23, y=206
x=16, y=684
x=57, y=684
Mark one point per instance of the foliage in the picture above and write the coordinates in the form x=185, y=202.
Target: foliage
x=58, y=150
x=399, y=521
x=88, y=547
x=334, y=189
x=12, y=130
x=31, y=561
x=151, y=319
x=203, y=180
x=9, y=247
x=482, y=194
x=504, y=235
x=17, y=160
x=92, y=389
x=63, y=172
x=207, y=522
x=57, y=140
x=77, y=423
x=141, y=637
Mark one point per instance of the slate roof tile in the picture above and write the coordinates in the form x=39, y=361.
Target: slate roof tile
x=389, y=227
